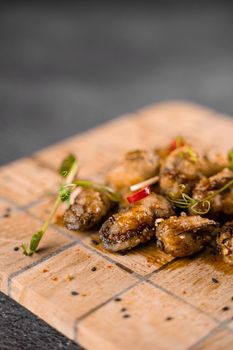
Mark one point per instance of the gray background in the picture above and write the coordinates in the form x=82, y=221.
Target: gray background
x=65, y=67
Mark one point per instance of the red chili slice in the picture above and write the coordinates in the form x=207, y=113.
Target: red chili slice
x=176, y=143
x=139, y=195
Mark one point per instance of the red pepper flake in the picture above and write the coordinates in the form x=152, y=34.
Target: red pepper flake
x=176, y=143
x=54, y=278
x=84, y=295
x=45, y=270
x=109, y=266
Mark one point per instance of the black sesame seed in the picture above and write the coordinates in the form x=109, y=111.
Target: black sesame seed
x=16, y=248
x=126, y=316
x=117, y=299
x=169, y=318
x=123, y=309
x=93, y=268
x=74, y=293
x=215, y=280
x=225, y=308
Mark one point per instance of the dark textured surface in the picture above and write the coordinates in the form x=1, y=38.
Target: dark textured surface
x=65, y=68
x=20, y=330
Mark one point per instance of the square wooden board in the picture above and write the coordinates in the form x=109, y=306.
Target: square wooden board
x=143, y=300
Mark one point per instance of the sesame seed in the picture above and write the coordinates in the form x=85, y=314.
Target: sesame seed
x=225, y=308
x=74, y=293
x=169, y=318
x=215, y=280
x=118, y=299
x=126, y=316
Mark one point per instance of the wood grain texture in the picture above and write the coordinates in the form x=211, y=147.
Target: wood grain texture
x=156, y=321
x=170, y=303
x=46, y=289
x=222, y=339
x=17, y=229
x=192, y=280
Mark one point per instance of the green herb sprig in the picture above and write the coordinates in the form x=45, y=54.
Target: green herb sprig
x=187, y=202
x=189, y=151
x=230, y=158
x=68, y=170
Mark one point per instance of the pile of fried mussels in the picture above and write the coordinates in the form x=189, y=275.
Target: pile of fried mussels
x=189, y=207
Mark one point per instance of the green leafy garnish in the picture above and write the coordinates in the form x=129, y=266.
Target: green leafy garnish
x=67, y=165
x=179, y=140
x=191, y=154
x=186, y=202
x=230, y=158
x=68, y=170
x=197, y=206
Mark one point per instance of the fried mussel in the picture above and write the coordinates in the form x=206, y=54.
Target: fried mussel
x=89, y=209
x=225, y=242
x=185, y=235
x=135, y=224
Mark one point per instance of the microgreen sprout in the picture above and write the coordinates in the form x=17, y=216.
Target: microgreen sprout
x=230, y=158
x=196, y=206
x=179, y=140
x=68, y=171
x=191, y=154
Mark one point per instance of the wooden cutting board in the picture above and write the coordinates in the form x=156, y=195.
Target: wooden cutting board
x=142, y=300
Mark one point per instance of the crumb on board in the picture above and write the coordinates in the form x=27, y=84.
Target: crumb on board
x=69, y=278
